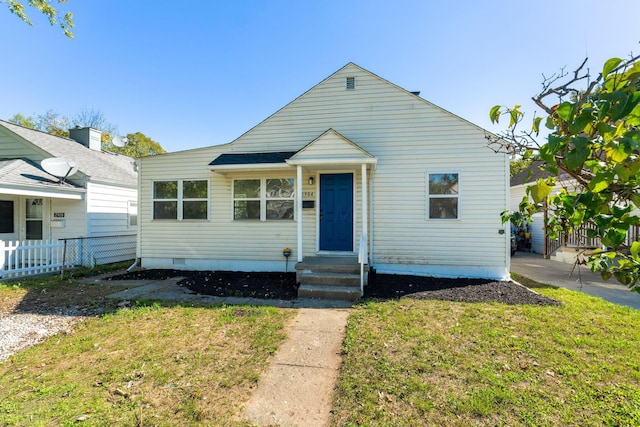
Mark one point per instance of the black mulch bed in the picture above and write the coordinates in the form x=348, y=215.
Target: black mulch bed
x=384, y=286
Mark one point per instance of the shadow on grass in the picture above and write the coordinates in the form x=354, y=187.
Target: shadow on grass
x=61, y=295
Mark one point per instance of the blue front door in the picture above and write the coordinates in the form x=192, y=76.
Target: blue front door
x=336, y=212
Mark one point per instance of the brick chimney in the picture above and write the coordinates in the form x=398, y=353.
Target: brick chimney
x=86, y=136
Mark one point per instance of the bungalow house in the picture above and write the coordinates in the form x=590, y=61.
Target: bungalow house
x=94, y=205
x=354, y=169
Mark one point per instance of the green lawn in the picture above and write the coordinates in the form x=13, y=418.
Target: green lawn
x=149, y=365
x=405, y=363
x=437, y=363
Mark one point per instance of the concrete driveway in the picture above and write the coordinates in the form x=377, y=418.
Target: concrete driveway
x=535, y=267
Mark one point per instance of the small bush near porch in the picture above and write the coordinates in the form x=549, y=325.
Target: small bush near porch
x=425, y=362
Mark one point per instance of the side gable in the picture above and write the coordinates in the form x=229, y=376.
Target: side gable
x=359, y=113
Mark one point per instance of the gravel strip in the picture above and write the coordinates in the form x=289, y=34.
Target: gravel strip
x=23, y=330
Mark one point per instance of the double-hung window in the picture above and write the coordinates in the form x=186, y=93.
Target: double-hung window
x=263, y=199
x=182, y=199
x=443, y=196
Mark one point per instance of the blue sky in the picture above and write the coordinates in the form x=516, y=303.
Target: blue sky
x=194, y=74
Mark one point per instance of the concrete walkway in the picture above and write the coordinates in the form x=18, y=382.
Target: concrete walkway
x=297, y=389
x=535, y=267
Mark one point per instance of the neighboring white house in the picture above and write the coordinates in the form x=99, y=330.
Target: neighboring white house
x=519, y=184
x=98, y=202
x=354, y=165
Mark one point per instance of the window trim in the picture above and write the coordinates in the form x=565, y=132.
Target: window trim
x=263, y=199
x=180, y=200
x=430, y=196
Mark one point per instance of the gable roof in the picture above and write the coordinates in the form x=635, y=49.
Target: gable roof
x=98, y=165
x=23, y=176
x=354, y=68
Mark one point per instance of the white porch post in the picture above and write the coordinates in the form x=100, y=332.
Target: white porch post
x=299, y=210
x=365, y=206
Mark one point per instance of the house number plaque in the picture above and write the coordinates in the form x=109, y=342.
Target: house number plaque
x=308, y=195
x=58, y=215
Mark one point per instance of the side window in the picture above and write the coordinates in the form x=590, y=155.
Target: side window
x=270, y=199
x=443, y=195
x=181, y=200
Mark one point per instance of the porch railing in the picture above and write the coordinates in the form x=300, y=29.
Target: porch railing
x=363, y=258
x=578, y=239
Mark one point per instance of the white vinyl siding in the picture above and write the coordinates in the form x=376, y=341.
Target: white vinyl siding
x=406, y=134
x=108, y=209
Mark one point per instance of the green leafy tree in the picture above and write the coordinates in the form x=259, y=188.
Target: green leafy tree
x=595, y=139
x=54, y=123
x=27, y=122
x=138, y=145
x=518, y=165
x=55, y=17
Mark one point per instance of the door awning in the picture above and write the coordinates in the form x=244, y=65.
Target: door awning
x=332, y=148
x=238, y=162
x=329, y=149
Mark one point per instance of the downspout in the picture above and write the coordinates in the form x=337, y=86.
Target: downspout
x=136, y=167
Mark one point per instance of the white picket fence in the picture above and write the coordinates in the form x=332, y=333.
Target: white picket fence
x=31, y=257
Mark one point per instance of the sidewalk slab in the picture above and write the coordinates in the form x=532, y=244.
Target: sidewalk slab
x=297, y=389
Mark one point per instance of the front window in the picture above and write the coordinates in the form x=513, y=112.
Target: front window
x=443, y=195
x=279, y=198
x=263, y=199
x=195, y=199
x=180, y=199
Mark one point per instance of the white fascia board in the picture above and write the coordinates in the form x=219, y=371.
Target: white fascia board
x=57, y=194
x=332, y=161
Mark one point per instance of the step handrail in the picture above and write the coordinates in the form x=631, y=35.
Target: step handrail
x=362, y=259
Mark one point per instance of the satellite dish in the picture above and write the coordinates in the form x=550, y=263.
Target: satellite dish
x=59, y=166
x=119, y=141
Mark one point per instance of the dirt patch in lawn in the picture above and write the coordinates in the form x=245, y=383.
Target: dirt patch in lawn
x=383, y=286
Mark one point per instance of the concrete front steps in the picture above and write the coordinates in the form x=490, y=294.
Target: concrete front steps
x=330, y=277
